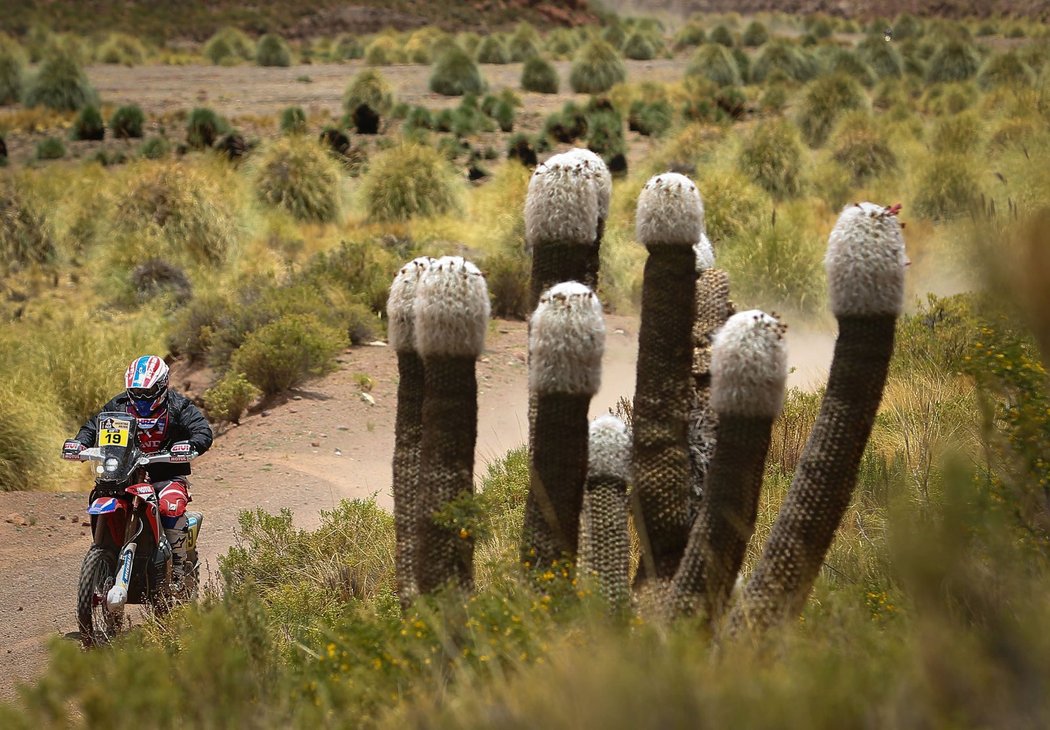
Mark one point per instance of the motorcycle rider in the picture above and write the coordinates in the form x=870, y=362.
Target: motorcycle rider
x=167, y=421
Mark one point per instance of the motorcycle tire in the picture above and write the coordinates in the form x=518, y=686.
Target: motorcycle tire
x=97, y=575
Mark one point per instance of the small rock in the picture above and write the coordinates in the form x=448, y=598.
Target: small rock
x=16, y=519
x=342, y=428
x=338, y=452
x=264, y=414
x=377, y=343
x=85, y=524
x=484, y=359
x=315, y=444
x=367, y=398
x=504, y=332
x=20, y=609
x=297, y=397
x=62, y=517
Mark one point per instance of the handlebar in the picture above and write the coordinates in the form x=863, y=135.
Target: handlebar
x=161, y=457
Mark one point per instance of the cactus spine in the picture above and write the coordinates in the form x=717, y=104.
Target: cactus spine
x=748, y=372
x=865, y=263
x=451, y=317
x=670, y=220
x=598, y=172
x=566, y=342
x=408, y=426
x=605, y=549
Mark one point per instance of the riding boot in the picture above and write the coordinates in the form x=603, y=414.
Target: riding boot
x=177, y=537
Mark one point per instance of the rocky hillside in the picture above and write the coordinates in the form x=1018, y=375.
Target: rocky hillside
x=859, y=9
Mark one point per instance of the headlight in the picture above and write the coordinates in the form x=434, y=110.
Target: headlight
x=111, y=464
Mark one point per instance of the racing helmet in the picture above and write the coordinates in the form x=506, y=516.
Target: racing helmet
x=146, y=380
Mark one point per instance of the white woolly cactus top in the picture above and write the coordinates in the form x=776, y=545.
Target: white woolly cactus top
x=670, y=212
x=401, y=304
x=749, y=366
x=609, y=448
x=451, y=309
x=566, y=341
x=705, y=254
x=601, y=176
x=562, y=203
x=865, y=261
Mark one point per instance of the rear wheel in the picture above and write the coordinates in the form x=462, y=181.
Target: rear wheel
x=97, y=575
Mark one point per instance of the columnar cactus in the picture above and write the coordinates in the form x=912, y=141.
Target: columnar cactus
x=408, y=427
x=451, y=317
x=748, y=372
x=670, y=220
x=605, y=546
x=865, y=263
x=566, y=342
x=561, y=222
x=713, y=308
x=602, y=180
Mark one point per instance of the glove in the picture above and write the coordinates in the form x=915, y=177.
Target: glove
x=71, y=450
x=182, y=451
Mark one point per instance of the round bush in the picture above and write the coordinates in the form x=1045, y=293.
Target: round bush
x=781, y=57
x=203, y=127
x=734, y=207
x=11, y=70
x=1005, y=69
x=846, y=63
x=823, y=102
x=907, y=26
x=639, y=47
x=157, y=278
x=273, y=51
x=126, y=122
x=61, y=85
x=456, y=74
x=228, y=46
x=946, y=187
x=721, y=35
x=862, y=148
x=954, y=61
x=293, y=120
x=368, y=87
x=155, y=148
x=284, y=353
x=25, y=233
x=691, y=35
x=492, y=50
x=229, y=398
x=123, y=49
x=410, y=180
x=347, y=48
x=50, y=148
x=754, y=35
x=883, y=58
x=615, y=35
x=28, y=427
x=539, y=75
x=524, y=43
x=958, y=133
x=596, y=68
x=383, y=51
x=650, y=119
x=714, y=63
x=88, y=125
x=771, y=156
x=298, y=175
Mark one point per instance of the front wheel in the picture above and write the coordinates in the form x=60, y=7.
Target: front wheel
x=97, y=575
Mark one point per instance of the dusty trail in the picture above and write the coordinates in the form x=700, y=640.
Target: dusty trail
x=324, y=445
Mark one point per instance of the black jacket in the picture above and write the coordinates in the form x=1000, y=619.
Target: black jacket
x=186, y=423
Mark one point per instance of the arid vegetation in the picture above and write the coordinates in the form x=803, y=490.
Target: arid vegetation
x=258, y=247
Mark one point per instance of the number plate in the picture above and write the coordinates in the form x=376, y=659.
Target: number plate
x=113, y=432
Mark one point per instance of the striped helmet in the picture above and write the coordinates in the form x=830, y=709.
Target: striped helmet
x=146, y=381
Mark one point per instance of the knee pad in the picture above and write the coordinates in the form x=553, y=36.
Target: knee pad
x=172, y=498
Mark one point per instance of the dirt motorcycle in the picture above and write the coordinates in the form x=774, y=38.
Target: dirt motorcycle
x=130, y=559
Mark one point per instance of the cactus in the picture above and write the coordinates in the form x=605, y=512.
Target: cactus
x=605, y=548
x=602, y=180
x=670, y=220
x=748, y=371
x=451, y=317
x=566, y=342
x=713, y=308
x=561, y=222
x=408, y=426
x=865, y=263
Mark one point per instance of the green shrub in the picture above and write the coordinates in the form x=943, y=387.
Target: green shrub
x=383, y=51
x=492, y=49
x=721, y=35
x=293, y=120
x=771, y=156
x=11, y=73
x=883, y=58
x=958, y=133
x=596, y=68
x=50, y=148
x=368, y=87
x=230, y=397
x=734, y=207
x=946, y=187
x=298, y=175
x=1005, y=69
x=862, y=147
x=507, y=277
x=126, y=122
x=691, y=35
x=155, y=279
x=942, y=99
x=456, y=74
x=907, y=26
x=754, y=35
x=347, y=48
x=823, y=101
x=781, y=57
x=28, y=427
x=283, y=354
x=954, y=60
x=561, y=42
x=650, y=118
x=715, y=63
x=409, y=180
x=59, y=84
x=843, y=62
x=228, y=46
x=539, y=75
x=26, y=236
x=615, y=35
x=272, y=50
x=88, y=125
x=605, y=135
x=566, y=125
x=123, y=49
x=524, y=43
x=639, y=47
x=203, y=127
x=155, y=148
